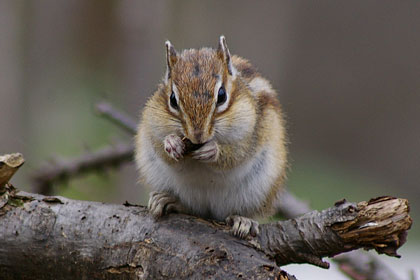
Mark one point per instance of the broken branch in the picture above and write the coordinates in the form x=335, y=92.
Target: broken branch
x=9, y=164
x=100, y=240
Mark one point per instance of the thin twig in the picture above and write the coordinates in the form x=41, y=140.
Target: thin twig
x=289, y=206
x=362, y=265
x=122, y=120
x=51, y=173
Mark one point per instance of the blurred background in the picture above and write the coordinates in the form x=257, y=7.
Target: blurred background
x=347, y=73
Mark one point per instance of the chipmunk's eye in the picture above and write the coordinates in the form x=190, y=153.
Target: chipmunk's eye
x=221, y=96
x=172, y=100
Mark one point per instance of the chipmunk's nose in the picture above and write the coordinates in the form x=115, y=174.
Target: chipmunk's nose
x=198, y=134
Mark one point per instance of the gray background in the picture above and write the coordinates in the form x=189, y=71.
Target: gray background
x=347, y=73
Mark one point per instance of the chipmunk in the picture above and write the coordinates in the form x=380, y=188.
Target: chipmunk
x=220, y=106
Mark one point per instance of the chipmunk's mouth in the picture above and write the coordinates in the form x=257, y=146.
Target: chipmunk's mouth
x=190, y=146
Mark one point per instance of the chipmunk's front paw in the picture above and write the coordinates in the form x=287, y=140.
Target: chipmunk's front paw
x=162, y=203
x=207, y=153
x=174, y=146
x=242, y=226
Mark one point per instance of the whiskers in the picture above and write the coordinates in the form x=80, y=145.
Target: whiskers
x=159, y=112
x=232, y=127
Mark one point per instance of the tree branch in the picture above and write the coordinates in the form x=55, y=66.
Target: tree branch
x=71, y=239
x=51, y=173
x=345, y=227
x=54, y=172
x=359, y=266
x=356, y=265
x=59, y=238
x=122, y=120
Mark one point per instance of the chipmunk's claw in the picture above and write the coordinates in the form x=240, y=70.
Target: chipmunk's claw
x=162, y=203
x=242, y=227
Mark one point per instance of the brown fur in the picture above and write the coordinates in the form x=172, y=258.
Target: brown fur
x=195, y=74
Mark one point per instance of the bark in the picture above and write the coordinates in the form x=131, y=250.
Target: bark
x=58, y=238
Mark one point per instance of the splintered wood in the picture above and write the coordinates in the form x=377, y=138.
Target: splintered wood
x=8, y=166
x=381, y=224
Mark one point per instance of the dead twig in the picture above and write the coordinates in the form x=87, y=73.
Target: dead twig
x=59, y=170
x=122, y=120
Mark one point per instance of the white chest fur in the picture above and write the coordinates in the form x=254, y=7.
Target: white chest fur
x=211, y=193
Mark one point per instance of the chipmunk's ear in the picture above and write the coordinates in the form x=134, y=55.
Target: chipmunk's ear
x=171, y=59
x=224, y=54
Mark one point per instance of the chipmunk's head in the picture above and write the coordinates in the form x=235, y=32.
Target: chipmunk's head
x=201, y=87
